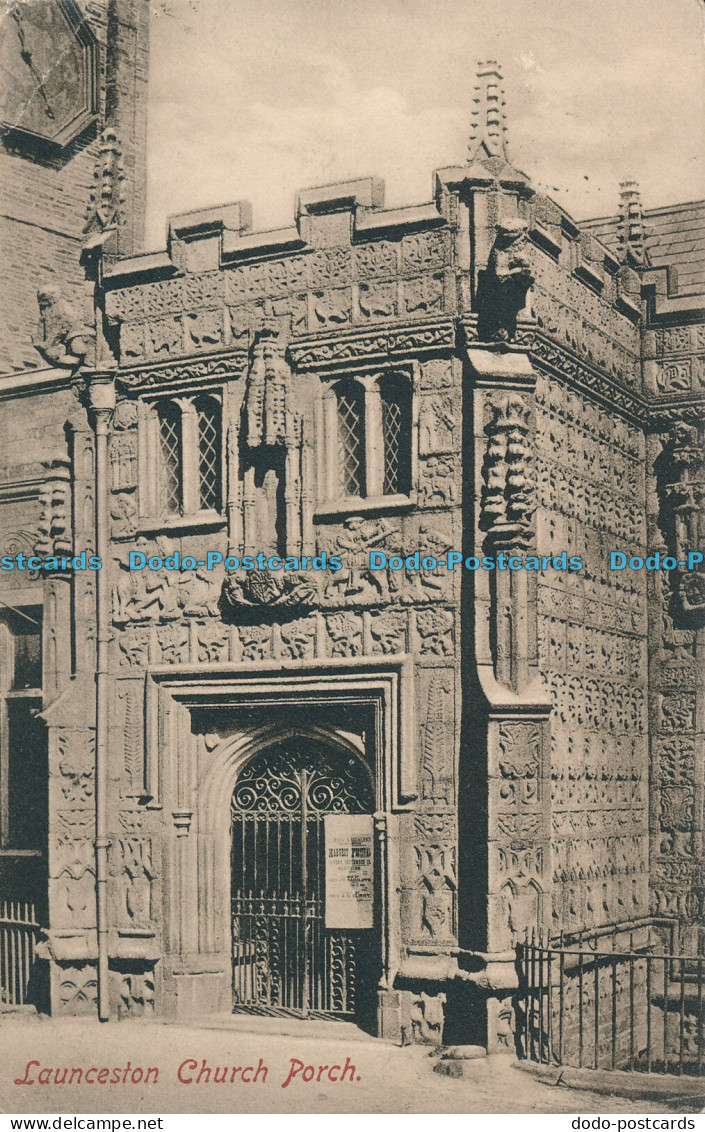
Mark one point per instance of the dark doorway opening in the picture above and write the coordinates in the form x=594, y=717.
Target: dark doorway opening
x=285, y=960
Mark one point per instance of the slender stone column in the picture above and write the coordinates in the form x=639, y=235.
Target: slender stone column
x=101, y=388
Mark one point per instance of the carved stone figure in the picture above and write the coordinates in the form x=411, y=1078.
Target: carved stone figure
x=437, y=425
x=692, y=595
x=503, y=287
x=198, y=593
x=437, y=482
x=123, y=512
x=356, y=581
x=147, y=595
x=60, y=337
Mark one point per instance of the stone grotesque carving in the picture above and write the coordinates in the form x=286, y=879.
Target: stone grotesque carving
x=60, y=337
x=505, y=282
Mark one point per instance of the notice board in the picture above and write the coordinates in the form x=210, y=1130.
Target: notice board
x=349, y=861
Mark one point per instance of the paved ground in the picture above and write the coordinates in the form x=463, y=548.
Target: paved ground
x=387, y=1079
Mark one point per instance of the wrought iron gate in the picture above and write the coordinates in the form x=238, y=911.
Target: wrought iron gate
x=18, y=939
x=284, y=958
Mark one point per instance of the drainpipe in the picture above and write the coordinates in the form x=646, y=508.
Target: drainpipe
x=101, y=393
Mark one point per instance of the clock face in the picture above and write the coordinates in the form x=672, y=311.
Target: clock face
x=48, y=59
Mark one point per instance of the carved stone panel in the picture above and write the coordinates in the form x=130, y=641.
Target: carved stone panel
x=72, y=889
x=436, y=879
x=78, y=988
x=135, y=875
x=436, y=699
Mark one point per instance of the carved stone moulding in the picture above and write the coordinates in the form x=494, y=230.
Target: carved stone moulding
x=393, y=341
x=385, y=683
x=682, y=410
x=561, y=362
x=230, y=365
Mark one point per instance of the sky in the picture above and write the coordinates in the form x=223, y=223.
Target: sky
x=258, y=99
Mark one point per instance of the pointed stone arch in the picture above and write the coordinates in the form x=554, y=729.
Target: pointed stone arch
x=235, y=751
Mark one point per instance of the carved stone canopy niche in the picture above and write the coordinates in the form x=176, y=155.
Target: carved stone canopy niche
x=274, y=453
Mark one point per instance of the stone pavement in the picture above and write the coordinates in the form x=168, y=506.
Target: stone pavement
x=387, y=1079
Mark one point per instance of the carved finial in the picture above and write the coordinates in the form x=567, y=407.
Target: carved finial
x=107, y=199
x=488, y=129
x=632, y=229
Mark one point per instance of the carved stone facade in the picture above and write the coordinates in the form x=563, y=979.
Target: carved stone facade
x=386, y=388
x=592, y=648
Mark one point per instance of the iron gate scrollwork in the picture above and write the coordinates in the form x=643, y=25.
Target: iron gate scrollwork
x=284, y=958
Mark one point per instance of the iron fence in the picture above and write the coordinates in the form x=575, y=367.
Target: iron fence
x=590, y=1004
x=18, y=938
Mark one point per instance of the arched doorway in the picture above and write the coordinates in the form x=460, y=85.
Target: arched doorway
x=285, y=960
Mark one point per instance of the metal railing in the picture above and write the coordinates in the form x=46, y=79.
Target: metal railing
x=591, y=1005
x=18, y=937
